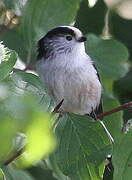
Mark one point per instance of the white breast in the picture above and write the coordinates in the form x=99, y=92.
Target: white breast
x=74, y=79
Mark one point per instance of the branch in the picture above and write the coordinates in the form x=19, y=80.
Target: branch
x=14, y=156
x=120, y=108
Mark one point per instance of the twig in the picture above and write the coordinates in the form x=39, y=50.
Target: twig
x=120, y=108
x=14, y=156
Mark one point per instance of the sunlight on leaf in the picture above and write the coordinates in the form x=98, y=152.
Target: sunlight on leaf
x=41, y=141
x=7, y=133
x=4, y=52
x=92, y=3
x=7, y=66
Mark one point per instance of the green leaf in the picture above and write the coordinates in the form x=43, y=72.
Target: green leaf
x=123, y=87
x=121, y=27
x=2, y=175
x=91, y=19
x=82, y=147
x=122, y=158
x=40, y=173
x=7, y=133
x=110, y=56
x=27, y=116
x=31, y=83
x=36, y=22
x=14, y=174
x=13, y=40
x=41, y=141
x=30, y=78
x=7, y=66
x=123, y=90
x=23, y=113
x=52, y=164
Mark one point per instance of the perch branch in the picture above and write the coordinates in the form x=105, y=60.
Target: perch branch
x=120, y=108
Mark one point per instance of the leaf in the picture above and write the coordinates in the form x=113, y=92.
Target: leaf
x=2, y=175
x=123, y=87
x=7, y=133
x=122, y=158
x=40, y=140
x=14, y=174
x=36, y=23
x=123, y=90
x=39, y=173
x=110, y=56
x=30, y=78
x=91, y=20
x=82, y=147
x=13, y=40
x=52, y=164
x=7, y=66
x=29, y=118
x=31, y=83
x=23, y=113
x=120, y=27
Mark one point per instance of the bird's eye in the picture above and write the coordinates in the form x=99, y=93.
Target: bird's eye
x=69, y=38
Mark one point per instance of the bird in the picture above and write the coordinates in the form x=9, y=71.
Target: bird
x=68, y=72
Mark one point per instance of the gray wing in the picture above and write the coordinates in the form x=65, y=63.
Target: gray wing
x=100, y=107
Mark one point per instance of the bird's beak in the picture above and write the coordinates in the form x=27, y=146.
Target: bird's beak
x=82, y=39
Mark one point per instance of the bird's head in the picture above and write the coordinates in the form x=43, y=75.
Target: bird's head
x=60, y=40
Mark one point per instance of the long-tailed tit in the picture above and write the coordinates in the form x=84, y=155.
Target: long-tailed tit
x=68, y=71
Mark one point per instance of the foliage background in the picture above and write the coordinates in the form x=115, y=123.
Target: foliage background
x=78, y=148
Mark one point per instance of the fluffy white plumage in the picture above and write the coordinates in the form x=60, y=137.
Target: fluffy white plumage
x=72, y=77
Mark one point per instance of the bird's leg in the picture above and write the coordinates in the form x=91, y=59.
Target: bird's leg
x=57, y=107
x=56, y=110
x=93, y=115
